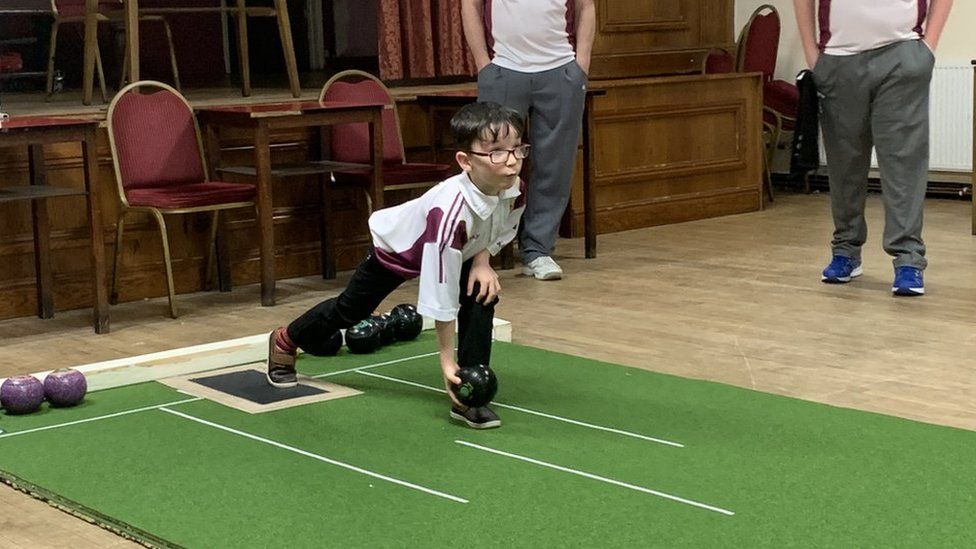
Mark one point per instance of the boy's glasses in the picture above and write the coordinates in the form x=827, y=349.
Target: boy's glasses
x=501, y=157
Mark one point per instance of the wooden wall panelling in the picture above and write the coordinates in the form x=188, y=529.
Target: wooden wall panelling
x=640, y=38
x=667, y=150
x=673, y=149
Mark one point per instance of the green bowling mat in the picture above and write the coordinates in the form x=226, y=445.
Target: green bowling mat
x=589, y=455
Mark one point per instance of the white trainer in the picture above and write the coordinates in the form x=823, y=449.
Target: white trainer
x=543, y=268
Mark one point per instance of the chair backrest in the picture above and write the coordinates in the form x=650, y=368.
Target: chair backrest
x=154, y=137
x=350, y=142
x=76, y=8
x=718, y=61
x=759, y=42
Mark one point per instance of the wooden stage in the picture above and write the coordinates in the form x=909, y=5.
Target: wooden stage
x=68, y=102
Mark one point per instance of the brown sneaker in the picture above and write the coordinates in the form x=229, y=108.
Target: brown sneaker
x=281, y=366
x=477, y=418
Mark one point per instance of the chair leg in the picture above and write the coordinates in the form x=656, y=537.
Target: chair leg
x=287, y=46
x=242, y=51
x=89, y=33
x=768, y=160
x=218, y=265
x=119, y=229
x=50, y=58
x=211, y=280
x=167, y=261
x=369, y=202
x=172, y=54
x=124, y=75
x=224, y=280
x=101, y=73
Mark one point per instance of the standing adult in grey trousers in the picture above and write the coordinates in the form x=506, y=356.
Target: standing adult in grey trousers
x=524, y=51
x=872, y=66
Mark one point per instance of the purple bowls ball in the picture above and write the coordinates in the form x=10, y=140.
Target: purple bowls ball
x=21, y=394
x=65, y=387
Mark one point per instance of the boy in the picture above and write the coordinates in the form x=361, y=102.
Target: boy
x=445, y=238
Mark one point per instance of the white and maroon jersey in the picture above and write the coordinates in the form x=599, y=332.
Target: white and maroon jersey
x=433, y=235
x=530, y=35
x=853, y=26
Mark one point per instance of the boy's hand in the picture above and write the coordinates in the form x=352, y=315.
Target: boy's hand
x=449, y=369
x=487, y=280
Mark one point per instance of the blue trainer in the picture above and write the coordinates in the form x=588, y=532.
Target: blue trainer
x=908, y=281
x=841, y=270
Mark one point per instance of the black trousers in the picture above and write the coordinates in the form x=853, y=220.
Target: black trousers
x=368, y=287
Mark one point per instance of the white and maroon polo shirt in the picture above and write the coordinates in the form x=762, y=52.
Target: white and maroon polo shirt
x=530, y=35
x=853, y=26
x=433, y=235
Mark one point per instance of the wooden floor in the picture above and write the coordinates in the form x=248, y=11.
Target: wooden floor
x=736, y=300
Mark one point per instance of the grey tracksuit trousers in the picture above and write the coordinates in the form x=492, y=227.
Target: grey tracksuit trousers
x=881, y=98
x=553, y=101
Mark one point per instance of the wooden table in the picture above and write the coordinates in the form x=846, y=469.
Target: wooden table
x=35, y=132
x=262, y=119
x=433, y=102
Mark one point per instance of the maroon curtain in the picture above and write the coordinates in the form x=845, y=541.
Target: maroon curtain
x=422, y=39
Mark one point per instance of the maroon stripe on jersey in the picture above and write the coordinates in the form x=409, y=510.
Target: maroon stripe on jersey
x=824, y=19
x=922, y=14
x=458, y=241
x=520, y=199
x=571, y=22
x=452, y=213
x=460, y=236
x=407, y=263
x=448, y=230
x=489, y=39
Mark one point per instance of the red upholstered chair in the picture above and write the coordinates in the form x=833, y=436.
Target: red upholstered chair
x=718, y=61
x=757, y=52
x=161, y=170
x=350, y=142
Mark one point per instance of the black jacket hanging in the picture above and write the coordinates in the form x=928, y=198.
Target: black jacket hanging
x=806, y=148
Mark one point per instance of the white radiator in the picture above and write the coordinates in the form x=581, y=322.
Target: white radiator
x=951, y=119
